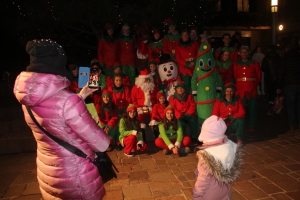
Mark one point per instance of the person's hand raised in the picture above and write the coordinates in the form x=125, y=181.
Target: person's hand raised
x=86, y=91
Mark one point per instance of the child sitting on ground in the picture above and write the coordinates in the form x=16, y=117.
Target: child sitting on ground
x=219, y=161
x=171, y=138
x=130, y=132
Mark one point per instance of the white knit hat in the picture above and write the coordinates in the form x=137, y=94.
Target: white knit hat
x=213, y=129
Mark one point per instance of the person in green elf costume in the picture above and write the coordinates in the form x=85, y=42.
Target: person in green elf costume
x=206, y=82
x=171, y=39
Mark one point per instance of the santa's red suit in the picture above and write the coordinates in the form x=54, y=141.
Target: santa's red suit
x=144, y=100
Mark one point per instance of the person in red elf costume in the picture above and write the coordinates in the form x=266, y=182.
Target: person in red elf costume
x=230, y=108
x=143, y=36
x=233, y=53
x=108, y=117
x=107, y=49
x=171, y=39
x=185, y=108
x=247, y=75
x=186, y=53
x=74, y=85
x=225, y=66
x=116, y=69
x=143, y=96
x=157, y=113
x=155, y=46
x=127, y=49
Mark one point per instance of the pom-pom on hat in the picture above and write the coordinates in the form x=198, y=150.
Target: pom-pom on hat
x=213, y=129
x=169, y=107
x=144, y=73
x=131, y=107
x=47, y=56
x=73, y=66
x=106, y=93
x=155, y=30
x=170, y=22
x=108, y=26
x=160, y=94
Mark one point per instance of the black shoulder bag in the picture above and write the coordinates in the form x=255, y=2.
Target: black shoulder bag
x=103, y=161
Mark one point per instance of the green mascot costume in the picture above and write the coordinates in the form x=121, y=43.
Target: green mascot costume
x=206, y=82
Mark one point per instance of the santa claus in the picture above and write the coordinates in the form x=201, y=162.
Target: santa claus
x=143, y=96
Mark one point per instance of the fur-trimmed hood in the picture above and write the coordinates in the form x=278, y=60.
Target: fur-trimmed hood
x=216, y=167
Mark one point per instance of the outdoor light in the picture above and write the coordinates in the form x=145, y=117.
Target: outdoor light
x=280, y=27
x=274, y=10
x=274, y=5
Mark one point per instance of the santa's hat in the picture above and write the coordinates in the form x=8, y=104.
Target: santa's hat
x=105, y=92
x=73, y=66
x=131, y=107
x=144, y=73
x=181, y=84
x=170, y=22
x=155, y=30
x=108, y=26
x=213, y=129
x=160, y=94
x=169, y=107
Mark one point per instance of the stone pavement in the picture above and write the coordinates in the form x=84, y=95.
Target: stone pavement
x=271, y=169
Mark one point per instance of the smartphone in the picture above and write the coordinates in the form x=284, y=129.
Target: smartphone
x=94, y=80
x=83, y=77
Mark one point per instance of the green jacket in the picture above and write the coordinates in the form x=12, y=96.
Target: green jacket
x=169, y=134
x=124, y=132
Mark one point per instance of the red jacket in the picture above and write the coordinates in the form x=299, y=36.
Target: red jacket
x=247, y=76
x=107, y=52
x=138, y=97
x=157, y=113
x=169, y=43
x=127, y=51
x=224, y=109
x=233, y=54
x=154, y=51
x=106, y=120
x=121, y=98
x=183, y=53
x=181, y=108
x=125, y=81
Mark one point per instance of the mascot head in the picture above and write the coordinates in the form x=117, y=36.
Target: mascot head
x=205, y=59
x=167, y=69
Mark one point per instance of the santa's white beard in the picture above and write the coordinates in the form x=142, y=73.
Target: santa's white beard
x=146, y=87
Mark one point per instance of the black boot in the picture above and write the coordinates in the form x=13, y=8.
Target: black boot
x=155, y=131
x=144, y=135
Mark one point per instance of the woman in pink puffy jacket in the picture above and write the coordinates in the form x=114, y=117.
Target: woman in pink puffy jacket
x=44, y=88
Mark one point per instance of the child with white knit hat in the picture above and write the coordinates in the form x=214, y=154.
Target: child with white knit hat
x=219, y=161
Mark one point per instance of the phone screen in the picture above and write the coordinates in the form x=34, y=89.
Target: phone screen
x=94, y=80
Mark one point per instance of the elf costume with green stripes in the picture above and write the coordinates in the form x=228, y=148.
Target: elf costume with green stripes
x=205, y=82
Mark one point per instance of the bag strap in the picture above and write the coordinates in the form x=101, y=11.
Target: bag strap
x=66, y=145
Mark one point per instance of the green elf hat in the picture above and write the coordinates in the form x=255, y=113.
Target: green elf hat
x=194, y=28
x=151, y=62
x=181, y=84
x=155, y=30
x=169, y=107
x=170, y=22
x=225, y=49
x=106, y=93
x=108, y=26
x=160, y=94
x=125, y=26
x=115, y=66
x=73, y=66
x=230, y=85
x=94, y=61
x=131, y=107
x=244, y=47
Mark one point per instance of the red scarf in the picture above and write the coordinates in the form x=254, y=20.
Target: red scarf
x=171, y=81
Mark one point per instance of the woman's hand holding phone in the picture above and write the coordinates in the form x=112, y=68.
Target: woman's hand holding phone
x=86, y=91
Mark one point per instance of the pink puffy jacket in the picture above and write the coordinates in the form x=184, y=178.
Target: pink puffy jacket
x=60, y=173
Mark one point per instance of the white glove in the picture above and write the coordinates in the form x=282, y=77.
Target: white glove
x=153, y=123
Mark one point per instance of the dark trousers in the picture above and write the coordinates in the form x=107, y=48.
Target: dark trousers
x=292, y=99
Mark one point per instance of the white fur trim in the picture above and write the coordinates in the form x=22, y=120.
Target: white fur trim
x=147, y=101
x=219, y=88
x=171, y=146
x=141, y=142
x=194, y=92
x=178, y=144
x=134, y=132
x=143, y=125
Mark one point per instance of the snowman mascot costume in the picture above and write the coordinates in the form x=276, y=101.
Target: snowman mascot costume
x=168, y=73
